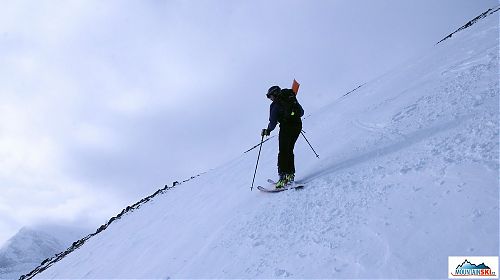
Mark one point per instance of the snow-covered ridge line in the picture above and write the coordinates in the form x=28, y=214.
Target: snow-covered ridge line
x=471, y=22
x=358, y=87
x=77, y=244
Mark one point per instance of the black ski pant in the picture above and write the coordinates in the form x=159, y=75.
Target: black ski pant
x=289, y=133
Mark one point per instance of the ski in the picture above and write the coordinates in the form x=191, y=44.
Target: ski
x=272, y=182
x=261, y=188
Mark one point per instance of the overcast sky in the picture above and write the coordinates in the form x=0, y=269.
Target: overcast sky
x=103, y=102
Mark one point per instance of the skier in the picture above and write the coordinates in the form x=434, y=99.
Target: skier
x=288, y=112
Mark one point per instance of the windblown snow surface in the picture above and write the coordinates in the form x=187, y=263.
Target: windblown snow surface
x=408, y=176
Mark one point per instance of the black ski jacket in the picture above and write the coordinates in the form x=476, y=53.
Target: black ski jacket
x=277, y=114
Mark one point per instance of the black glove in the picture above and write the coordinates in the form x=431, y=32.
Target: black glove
x=265, y=132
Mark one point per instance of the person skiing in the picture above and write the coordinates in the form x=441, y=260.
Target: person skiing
x=288, y=112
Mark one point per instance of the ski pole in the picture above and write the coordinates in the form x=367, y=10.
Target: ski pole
x=309, y=144
x=255, y=172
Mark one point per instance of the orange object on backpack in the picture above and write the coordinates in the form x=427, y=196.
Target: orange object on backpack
x=295, y=86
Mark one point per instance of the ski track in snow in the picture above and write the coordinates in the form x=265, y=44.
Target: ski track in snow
x=408, y=176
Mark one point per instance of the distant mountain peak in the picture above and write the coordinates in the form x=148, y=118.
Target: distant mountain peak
x=30, y=245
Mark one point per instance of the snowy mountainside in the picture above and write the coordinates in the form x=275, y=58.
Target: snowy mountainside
x=408, y=176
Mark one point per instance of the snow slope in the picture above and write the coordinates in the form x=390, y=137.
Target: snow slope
x=408, y=176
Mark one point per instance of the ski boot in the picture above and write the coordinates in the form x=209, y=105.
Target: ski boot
x=285, y=181
x=281, y=182
x=290, y=179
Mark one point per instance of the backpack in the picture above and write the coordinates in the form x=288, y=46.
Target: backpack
x=292, y=111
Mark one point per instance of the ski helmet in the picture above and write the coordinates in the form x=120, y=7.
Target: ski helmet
x=273, y=91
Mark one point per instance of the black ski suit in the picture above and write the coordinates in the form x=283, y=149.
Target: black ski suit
x=290, y=129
